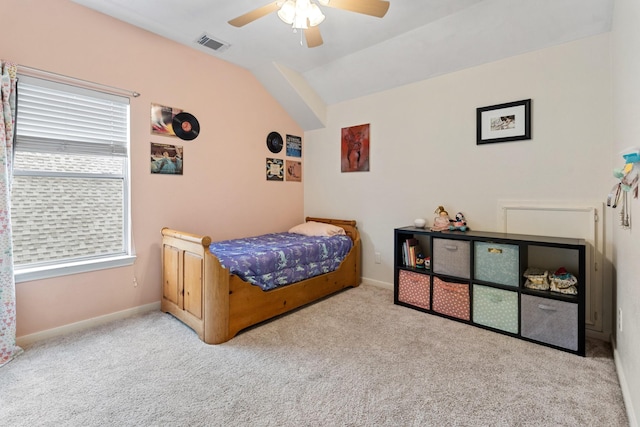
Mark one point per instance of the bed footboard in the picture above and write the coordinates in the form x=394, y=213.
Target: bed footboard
x=193, y=285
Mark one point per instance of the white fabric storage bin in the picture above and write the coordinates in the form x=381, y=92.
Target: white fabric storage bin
x=451, y=257
x=497, y=263
x=549, y=321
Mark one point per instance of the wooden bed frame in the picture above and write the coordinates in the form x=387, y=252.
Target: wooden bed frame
x=217, y=305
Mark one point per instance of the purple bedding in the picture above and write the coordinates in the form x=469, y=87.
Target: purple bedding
x=279, y=259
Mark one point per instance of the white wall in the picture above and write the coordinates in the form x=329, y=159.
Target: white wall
x=626, y=107
x=424, y=152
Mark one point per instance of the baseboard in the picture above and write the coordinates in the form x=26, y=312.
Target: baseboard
x=628, y=403
x=27, y=340
x=602, y=336
x=377, y=283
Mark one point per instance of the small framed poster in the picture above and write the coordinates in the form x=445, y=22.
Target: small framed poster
x=504, y=122
x=275, y=169
x=355, y=149
x=294, y=170
x=166, y=159
x=162, y=119
x=294, y=146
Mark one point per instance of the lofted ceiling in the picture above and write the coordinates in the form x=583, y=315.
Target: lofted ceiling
x=361, y=55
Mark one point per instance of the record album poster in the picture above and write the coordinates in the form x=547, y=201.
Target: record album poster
x=162, y=118
x=166, y=159
x=275, y=169
x=294, y=146
x=355, y=149
x=294, y=171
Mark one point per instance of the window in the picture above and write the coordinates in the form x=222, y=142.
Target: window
x=70, y=195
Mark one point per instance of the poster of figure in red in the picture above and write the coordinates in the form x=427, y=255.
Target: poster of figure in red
x=355, y=148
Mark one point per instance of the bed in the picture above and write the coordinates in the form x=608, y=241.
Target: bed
x=217, y=304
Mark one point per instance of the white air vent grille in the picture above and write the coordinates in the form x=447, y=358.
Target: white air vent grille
x=208, y=41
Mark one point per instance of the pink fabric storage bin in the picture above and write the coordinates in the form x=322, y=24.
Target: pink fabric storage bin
x=413, y=288
x=451, y=299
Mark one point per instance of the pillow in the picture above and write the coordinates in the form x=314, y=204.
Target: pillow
x=313, y=228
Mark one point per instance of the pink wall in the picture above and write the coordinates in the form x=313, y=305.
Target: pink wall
x=223, y=192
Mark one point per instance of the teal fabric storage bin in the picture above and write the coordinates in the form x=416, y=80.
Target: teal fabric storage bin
x=497, y=263
x=496, y=308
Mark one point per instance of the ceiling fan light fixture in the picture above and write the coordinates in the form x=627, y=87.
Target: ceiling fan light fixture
x=300, y=14
x=287, y=12
x=302, y=6
x=300, y=22
x=315, y=15
x=307, y=15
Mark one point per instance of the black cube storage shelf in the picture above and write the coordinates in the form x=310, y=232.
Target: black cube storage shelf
x=477, y=278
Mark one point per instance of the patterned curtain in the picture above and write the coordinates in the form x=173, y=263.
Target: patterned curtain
x=8, y=347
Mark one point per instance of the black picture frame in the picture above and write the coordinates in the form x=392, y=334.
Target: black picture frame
x=504, y=122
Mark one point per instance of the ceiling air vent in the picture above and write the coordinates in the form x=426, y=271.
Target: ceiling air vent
x=211, y=43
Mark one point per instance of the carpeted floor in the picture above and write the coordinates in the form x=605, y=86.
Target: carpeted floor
x=353, y=359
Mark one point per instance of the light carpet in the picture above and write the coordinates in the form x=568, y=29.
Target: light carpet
x=353, y=359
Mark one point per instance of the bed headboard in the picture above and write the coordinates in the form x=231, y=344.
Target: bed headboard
x=348, y=225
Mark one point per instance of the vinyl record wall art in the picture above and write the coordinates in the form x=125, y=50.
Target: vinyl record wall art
x=294, y=170
x=166, y=159
x=274, y=142
x=185, y=126
x=294, y=146
x=275, y=169
x=162, y=119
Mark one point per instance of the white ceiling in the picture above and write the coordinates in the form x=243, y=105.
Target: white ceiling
x=361, y=55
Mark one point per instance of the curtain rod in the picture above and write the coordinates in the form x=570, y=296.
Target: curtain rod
x=60, y=78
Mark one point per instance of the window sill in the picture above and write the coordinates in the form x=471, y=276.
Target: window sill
x=47, y=272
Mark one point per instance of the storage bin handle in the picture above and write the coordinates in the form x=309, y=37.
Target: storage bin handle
x=451, y=247
x=494, y=250
x=546, y=307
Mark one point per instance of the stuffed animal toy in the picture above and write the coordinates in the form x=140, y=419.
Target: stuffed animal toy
x=442, y=221
x=459, y=224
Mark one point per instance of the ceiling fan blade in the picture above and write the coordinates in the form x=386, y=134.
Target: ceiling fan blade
x=377, y=8
x=312, y=34
x=249, y=17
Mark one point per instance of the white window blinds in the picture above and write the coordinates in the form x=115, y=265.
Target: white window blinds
x=58, y=118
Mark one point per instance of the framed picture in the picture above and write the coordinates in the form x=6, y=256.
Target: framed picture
x=294, y=146
x=162, y=119
x=166, y=159
x=355, y=148
x=294, y=171
x=275, y=169
x=504, y=122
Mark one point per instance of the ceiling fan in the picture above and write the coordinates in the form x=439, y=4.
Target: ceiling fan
x=306, y=15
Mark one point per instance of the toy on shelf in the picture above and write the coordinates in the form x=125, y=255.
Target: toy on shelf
x=442, y=221
x=537, y=278
x=420, y=261
x=564, y=282
x=459, y=223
